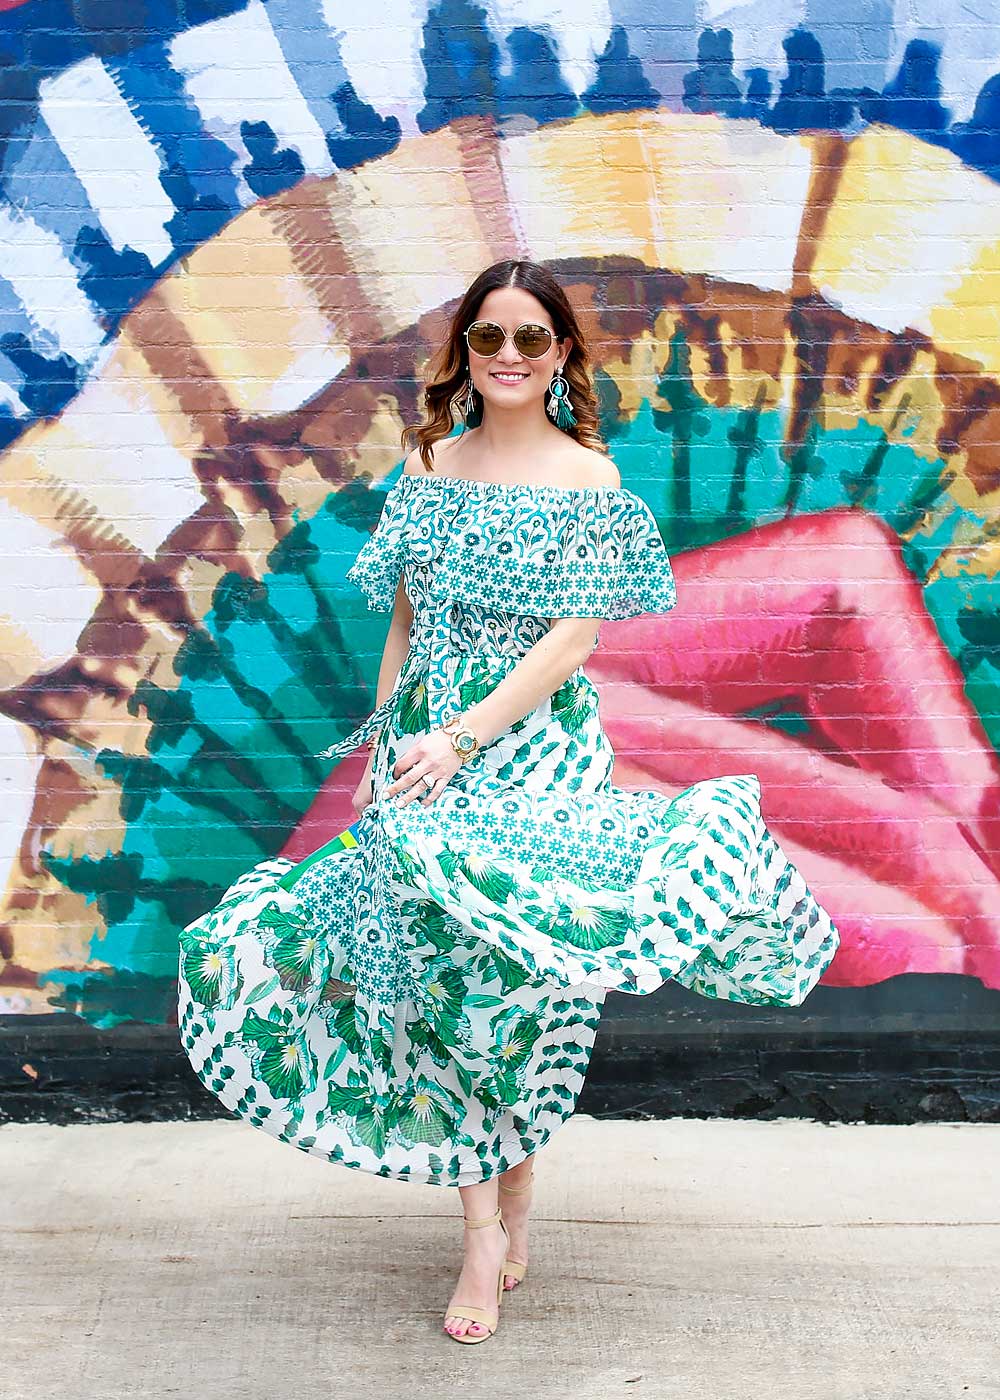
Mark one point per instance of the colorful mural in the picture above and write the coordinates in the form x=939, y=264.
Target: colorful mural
x=230, y=235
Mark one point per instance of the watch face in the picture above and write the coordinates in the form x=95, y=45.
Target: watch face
x=466, y=742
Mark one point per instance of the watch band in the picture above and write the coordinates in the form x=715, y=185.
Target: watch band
x=463, y=739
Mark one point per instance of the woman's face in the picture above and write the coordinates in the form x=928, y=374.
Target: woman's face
x=510, y=307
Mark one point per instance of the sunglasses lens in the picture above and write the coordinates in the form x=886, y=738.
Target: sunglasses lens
x=485, y=338
x=532, y=341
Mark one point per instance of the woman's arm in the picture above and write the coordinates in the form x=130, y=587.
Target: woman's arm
x=397, y=646
x=539, y=674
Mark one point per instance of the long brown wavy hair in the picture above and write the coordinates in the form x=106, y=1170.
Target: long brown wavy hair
x=449, y=371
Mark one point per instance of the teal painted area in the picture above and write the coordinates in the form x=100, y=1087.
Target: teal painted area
x=141, y=944
x=279, y=671
x=165, y=836
x=966, y=611
x=982, y=687
x=107, y=1002
x=784, y=717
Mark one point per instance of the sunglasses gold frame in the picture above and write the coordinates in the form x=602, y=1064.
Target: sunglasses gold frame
x=534, y=325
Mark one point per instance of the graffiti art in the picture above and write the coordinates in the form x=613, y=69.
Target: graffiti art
x=231, y=234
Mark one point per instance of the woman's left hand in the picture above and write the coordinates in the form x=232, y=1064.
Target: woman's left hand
x=432, y=754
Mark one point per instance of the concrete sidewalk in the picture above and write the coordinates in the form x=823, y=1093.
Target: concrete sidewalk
x=710, y=1260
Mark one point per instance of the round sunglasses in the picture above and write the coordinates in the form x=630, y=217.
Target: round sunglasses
x=487, y=338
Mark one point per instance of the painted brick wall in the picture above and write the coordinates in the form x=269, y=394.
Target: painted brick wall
x=228, y=233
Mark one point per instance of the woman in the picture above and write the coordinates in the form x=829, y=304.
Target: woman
x=422, y=1003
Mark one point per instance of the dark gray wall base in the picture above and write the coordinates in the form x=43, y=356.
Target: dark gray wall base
x=908, y=1078
x=912, y=1049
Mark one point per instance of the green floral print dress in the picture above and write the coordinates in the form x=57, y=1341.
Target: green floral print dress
x=419, y=998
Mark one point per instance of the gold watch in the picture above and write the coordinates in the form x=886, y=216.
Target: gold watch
x=463, y=741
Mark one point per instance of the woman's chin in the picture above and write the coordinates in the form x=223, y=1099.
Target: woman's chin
x=510, y=399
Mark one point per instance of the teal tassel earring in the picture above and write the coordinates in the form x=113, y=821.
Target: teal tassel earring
x=560, y=410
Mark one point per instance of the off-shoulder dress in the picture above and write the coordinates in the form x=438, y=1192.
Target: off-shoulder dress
x=419, y=999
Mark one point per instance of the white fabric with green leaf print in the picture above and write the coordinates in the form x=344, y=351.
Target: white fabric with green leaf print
x=420, y=999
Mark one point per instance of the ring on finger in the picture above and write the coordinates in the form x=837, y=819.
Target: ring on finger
x=428, y=780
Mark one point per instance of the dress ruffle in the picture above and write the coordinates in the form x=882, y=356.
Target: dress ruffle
x=366, y=1002
x=549, y=551
x=710, y=900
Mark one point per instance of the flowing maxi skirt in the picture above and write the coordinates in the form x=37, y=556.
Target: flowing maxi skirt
x=419, y=998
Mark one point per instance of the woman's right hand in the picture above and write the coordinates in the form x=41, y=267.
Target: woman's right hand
x=362, y=795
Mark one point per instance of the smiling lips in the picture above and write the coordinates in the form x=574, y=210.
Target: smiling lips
x=514, y=377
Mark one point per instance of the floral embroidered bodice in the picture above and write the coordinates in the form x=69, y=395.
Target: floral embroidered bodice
x=487, y=565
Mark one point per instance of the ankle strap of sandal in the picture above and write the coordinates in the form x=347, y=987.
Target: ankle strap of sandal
x=479, y=1224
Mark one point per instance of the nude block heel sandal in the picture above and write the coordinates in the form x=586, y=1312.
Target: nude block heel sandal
x=471, y=1314
x=514, y=1267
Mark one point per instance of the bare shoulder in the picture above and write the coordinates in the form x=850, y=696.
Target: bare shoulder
x=413, y=465
x=592, y=468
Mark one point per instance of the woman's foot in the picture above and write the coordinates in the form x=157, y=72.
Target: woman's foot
x=485, y=1250
x=515, y=1198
